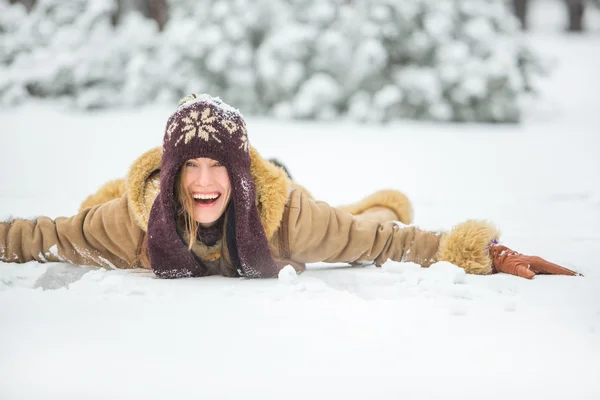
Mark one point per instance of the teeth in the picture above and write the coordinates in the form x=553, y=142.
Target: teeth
x=205, y=196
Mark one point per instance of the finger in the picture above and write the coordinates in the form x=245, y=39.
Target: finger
x=517, y=269
x=542, y=266
x=524, y=272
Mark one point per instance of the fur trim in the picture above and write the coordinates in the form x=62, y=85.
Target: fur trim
x=272, y=191
x=271, y=182
x=207, y=253
x=109, y=191
x=143, y=186
x=467, y=246
x=392, y=199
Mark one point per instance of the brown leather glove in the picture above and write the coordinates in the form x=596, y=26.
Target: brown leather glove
x=510, y=262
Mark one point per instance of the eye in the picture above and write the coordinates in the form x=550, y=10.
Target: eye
x=217, y=164
x=190, y=164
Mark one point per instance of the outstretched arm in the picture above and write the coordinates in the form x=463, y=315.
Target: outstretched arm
x=105, y=235
x=318, y=232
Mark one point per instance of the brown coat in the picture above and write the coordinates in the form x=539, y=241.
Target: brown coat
x=300, y=230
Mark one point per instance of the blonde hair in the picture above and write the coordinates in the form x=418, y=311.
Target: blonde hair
x=185, y=211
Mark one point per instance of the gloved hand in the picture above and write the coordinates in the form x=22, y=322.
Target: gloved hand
x=510, y=262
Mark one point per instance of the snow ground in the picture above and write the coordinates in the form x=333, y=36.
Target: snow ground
x=395, y=332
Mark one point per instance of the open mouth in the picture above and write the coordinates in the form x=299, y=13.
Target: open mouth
x=206, y=199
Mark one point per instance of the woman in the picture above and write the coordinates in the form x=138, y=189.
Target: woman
x=207, y=203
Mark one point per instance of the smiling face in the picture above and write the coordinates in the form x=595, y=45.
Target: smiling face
x=207, y=183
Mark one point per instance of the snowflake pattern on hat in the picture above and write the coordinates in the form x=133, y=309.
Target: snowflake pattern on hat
x=203, y=127
x=244, y=139
x=232, y=127
x=171, y=129
x=200, y=125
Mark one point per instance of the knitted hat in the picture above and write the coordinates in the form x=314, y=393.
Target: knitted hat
x=204, y=126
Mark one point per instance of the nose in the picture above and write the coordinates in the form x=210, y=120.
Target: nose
x=203, y=176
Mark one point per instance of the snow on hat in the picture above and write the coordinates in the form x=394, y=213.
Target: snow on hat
x=204, y=126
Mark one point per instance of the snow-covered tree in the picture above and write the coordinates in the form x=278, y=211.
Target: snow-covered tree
x=381, y=59
x=210, y=46
x=370, y=60
x=71, y=50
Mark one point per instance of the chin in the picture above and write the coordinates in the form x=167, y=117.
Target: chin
x=204, y=220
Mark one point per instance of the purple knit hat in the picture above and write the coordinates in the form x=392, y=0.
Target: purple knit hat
x=204, y=126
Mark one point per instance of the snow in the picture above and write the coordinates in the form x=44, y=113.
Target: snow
x=399, y=331
x=54, y=251
x=213, y=101
x=288, y=275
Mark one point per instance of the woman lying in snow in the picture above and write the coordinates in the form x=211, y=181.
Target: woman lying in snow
x=225, y=210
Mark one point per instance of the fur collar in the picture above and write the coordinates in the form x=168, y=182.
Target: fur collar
x=272, y=188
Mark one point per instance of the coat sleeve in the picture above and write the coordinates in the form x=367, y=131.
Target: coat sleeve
x=105, y=235
x=318, y=232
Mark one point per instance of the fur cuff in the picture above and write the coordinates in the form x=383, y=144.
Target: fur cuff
x=467, y=246
x=392, y=199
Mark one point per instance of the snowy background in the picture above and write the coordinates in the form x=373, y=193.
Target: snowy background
x=365, y=60
x=69, y=332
